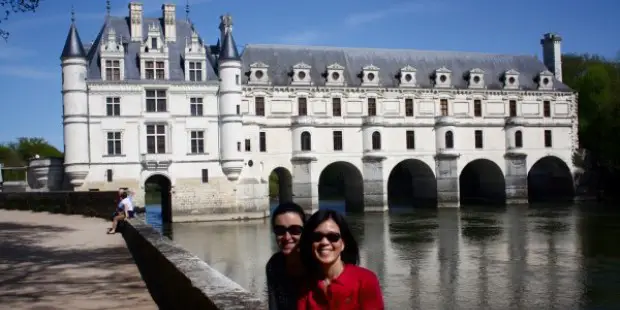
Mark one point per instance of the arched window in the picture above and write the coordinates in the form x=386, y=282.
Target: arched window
x=449, y=140
x=518, y=139
x=376, y=140
x=306, y=141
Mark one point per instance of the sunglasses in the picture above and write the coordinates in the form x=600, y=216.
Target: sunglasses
x=294, y=230
x=331, y=237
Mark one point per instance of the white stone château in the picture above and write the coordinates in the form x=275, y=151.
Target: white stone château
x=149, y=101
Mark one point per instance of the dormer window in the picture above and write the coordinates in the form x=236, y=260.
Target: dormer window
x=511, y=79
x=545, y=80
x=154, y=56
x=112, y=55
x=154, y=43
x=442, y=77
x=370, y=76
x=475, y=78
x=195, y=55
x=258, y=73
x=407, y=76
x=301, y=74
x=335, y=75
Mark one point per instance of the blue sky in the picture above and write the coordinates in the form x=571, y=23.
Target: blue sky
x=30, y=66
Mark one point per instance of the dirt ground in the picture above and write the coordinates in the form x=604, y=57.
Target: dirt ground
x=50, y=261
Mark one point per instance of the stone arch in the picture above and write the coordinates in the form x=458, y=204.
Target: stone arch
x=342, y=181
x=482, y=182
x=157, y=192
x=411, y=183
x=280, y=185
x=550, y=179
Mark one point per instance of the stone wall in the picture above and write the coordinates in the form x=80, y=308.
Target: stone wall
x=177, y=279
x=93, y=204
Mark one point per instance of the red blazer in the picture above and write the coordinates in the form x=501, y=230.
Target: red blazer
x=356, y=288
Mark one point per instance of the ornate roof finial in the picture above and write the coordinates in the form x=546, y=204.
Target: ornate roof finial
x=72, y=14
x=187, y=10
x=108, y=6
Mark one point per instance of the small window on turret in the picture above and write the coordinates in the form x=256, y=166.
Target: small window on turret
x=237, y=79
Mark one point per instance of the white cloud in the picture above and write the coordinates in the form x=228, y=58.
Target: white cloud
x=358, y=19
x=27, y=72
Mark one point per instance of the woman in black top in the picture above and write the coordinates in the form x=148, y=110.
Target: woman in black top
x=284, y=269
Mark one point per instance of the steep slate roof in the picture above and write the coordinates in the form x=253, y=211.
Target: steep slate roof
x=281, y=59
x=229, y=48
x=176, y=50
x=73, y=44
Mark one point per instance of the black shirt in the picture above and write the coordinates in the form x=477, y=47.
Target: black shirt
x=282, y=288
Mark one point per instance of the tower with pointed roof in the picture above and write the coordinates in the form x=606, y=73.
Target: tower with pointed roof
x=74, y=95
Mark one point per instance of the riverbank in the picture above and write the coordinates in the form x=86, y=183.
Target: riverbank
x=55, y=261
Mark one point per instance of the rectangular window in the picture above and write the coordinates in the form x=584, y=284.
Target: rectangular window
x=114, y=139
x=113, y=106
x=512, y=105
x=156, y=139
x=336, y=107
x=154, y=70
x=110, y=175
x=302, y=106
x=195, y=106
x=195, y=71
x=478, y=139
x=156, y=100
x=372, y=106
x=443, y=104
x=239, y=146
x=477, y=108
x=238, y=110
x=154, y=43
x=547, y=108
x=197, y=142
x=410, y=137
x=113, y=70
x=260, y=106
x=337, y=140
x=548, y=140
x=248, y=145
x=237, y=79
x=262, y=141
x=408, y=107
x=205, y=175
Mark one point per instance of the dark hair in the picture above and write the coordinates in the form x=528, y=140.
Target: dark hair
x=351, y=252
x=287, y=207
x=124, y=195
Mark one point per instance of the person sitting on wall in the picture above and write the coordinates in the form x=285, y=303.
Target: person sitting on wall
x=123, y=211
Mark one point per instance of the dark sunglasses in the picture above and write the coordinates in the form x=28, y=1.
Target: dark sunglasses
x=294, y=230
x=331, y=237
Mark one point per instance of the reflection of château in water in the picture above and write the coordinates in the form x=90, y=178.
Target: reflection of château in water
x=148, y=101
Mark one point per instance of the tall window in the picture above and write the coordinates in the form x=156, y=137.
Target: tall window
x=114, y=143
x=336, y=107
x=449, y=140
x=518, y=139
x=376, y=140
x=154, y=43
x=477, y=108
x=443, y=105
x=306, y=141
x=408, y=107
x=548, y=140
x=154, y=70
x=197, y=142
x=372, y=106
x=337, y=140
x=512, y=105
x=302, y=106
x=113, y=106
x=113, y=70
x=547, y=108
x=156, y=101
x=262, y=141
x=259, y=106
x=410, y=139
x=195, y=71
x=156, y=139
x=248, y=145
x=195, y=106
x=478, y=139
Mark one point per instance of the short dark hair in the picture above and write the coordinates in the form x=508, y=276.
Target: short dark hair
x=351, y=252
x=287, y=207
x=124, y=195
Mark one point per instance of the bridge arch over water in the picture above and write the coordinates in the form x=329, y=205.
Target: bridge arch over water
x=157, y=190
x=411, y=183
x=550, y=180
x=482, y=182
x=342, y=181
x=281, y=185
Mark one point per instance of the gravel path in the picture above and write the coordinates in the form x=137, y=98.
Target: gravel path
x=50, y=261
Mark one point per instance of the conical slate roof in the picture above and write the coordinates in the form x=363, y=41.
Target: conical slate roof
x=73, y=45
x=229, y=48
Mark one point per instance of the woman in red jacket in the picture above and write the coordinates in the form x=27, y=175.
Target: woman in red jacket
x=331, y=255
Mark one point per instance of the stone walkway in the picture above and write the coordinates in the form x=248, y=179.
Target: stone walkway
x=50, y=261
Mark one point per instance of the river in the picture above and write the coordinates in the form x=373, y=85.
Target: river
x=515, y=257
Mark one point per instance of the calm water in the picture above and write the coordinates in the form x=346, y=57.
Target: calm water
x=553, y=257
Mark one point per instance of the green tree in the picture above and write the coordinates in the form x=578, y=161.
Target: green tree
x=15, y=6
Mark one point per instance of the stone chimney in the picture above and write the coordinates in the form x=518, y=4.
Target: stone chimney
x=170, y=27
x=135, y=19
x=552, y=54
